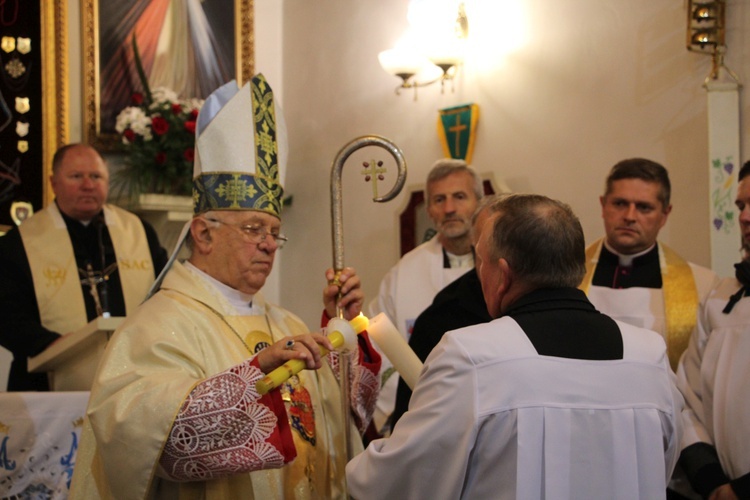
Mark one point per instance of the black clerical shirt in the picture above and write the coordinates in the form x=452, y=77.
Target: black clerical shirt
x=21, y=331
x=644, y=272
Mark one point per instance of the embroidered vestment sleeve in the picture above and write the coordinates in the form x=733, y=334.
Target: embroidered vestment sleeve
x=224, y=427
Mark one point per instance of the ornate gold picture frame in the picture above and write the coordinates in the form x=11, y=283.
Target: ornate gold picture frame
x=93, y=133
x=54, y=84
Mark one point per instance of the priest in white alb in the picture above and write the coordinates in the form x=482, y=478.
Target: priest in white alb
x=453, y=190
x=713, y=376
x=551, y=399
x=629, y=274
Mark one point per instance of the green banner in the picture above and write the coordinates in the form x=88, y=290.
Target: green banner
x=457, y=128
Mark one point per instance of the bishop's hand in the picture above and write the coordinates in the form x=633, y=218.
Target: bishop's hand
x=303, y=347
x=346, y=291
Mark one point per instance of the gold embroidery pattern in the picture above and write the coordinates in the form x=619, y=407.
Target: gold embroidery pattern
x=680, y=302
x=236, y=190
x=55, y=276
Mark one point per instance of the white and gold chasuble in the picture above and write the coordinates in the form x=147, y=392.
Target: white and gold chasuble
x=173, y=343
x=55, y=272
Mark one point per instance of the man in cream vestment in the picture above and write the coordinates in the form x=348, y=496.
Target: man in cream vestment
x=533, y=404
x=453, y=190
x=174, y=411
x=632, y=277
x=70, y=262
x=713, y=376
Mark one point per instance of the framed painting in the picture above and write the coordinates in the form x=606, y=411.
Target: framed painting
x=33, y=103
x=183, y=45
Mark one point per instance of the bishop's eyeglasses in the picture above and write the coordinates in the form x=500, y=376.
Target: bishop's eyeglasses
x=254, y=233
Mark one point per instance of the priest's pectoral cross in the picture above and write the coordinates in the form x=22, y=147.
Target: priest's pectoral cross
x=93, y=279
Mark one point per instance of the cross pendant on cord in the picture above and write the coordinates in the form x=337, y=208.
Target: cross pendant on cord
x=93, y=279
x=90, y=278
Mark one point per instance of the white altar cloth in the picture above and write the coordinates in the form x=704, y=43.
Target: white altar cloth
x=39, y=433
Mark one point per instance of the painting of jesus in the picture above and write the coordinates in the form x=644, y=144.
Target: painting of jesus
x=187, y=46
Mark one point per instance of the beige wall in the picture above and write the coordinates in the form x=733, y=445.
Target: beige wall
x=596, y=82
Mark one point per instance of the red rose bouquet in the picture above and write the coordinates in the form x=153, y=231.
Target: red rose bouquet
x=158, y=137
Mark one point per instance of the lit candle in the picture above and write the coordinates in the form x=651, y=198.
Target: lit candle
x=406, y=363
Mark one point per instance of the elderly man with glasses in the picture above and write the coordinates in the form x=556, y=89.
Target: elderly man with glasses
x=174, y=411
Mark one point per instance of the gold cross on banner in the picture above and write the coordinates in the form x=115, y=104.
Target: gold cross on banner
x=457, y=129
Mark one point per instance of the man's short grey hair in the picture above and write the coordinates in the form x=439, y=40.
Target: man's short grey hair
x=541, y=239
x=445, y=167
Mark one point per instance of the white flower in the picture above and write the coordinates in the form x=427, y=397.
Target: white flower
x=189, y=105
x=163, y=95
x=135, y=119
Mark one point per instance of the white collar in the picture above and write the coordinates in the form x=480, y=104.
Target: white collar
x=241, y=302
x=627, y=260
x=459, y=261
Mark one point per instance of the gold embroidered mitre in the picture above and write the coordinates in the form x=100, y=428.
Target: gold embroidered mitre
x=240, y=155
x=241, y=150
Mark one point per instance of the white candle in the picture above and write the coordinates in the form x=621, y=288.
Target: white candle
x=406, y=363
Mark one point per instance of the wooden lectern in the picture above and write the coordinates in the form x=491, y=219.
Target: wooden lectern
x=72, y=361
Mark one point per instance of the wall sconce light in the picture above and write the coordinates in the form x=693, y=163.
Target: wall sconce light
x=706, y=30
x=439, y=63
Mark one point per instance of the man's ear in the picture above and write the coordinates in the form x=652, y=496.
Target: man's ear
x=201, y=233
x=53, y=182
x=505, y=276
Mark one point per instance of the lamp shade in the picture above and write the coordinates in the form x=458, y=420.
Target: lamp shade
x=402, y=62
x=446, y=52
x=446, y=59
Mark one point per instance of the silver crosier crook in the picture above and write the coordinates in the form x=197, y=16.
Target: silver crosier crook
x=337, y=221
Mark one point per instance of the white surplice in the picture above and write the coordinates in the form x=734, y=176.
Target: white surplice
x=490, y=418
x=713, y=376
x=644, y=307
x=405, y=291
